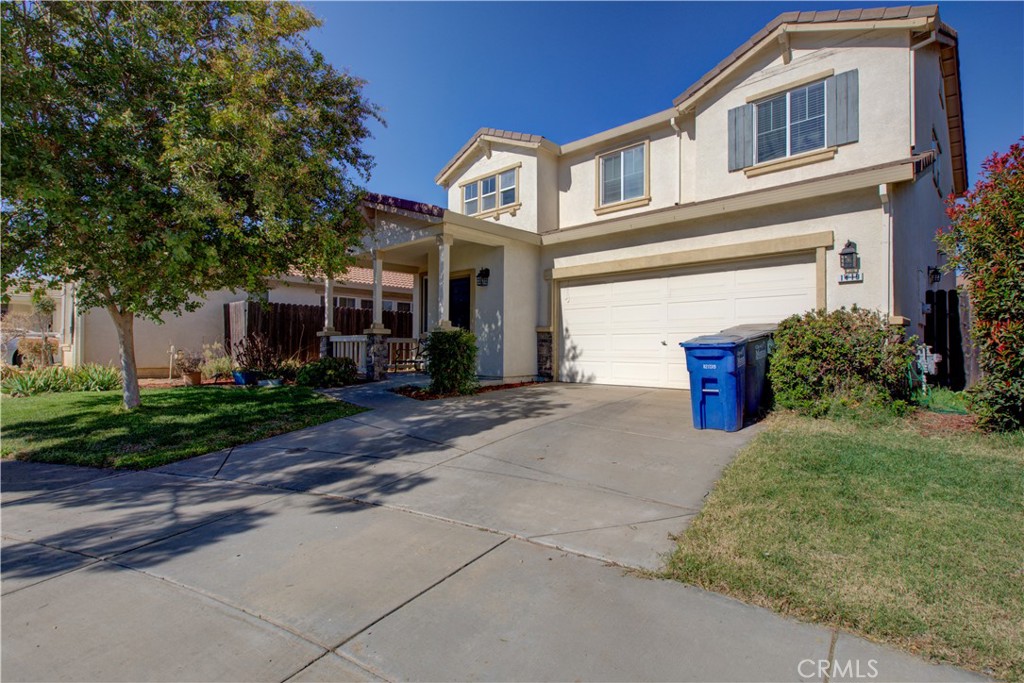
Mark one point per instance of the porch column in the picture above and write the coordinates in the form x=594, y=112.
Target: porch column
x=377, y=335
x=378, y=295
x=326, y=348
x=444, y=266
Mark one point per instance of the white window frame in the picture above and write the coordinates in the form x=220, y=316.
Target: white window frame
x=476, y=186
x=788, y=94
x=600, y=206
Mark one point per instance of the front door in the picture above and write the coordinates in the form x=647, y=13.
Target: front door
x=459, y=300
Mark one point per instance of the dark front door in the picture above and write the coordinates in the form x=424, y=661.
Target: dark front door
x=458, y=299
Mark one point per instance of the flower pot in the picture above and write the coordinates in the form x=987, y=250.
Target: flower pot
x=192, y=379
x=244, y=377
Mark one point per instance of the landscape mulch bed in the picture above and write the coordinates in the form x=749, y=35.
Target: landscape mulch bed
x=929, y=423
x=423, y=394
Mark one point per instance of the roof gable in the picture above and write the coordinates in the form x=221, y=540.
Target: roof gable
x=492, y=135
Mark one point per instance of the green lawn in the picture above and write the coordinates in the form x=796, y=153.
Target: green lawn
x=909, y=539
x=91, y=428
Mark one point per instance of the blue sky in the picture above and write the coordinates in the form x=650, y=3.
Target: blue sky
x=567, y=70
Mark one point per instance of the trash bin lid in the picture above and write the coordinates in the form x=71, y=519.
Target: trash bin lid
x=751, y=330
x=713, y=340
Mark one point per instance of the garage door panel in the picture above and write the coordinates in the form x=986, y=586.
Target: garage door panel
x=614, y=329
x=637, y=373
x=638, y=343
x=640, y=313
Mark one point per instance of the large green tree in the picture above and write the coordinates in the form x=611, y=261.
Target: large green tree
x=154, y=151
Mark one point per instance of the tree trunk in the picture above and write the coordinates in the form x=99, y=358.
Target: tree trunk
x=125, y=325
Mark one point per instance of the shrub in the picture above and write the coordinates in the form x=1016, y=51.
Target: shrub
x=186, y=362
x=255, y=354
x=451, y=361
x=328, y=372
x=30, y=350
x=57, y=379
x=825, y=360
x=985, y=241
x=216, y=363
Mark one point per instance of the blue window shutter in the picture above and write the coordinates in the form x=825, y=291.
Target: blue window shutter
x=741, y=137
x=843, y=106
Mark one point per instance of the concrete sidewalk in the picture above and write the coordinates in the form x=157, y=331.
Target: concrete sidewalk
x=469, y=539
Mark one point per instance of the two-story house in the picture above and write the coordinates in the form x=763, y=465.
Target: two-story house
x=807, y=170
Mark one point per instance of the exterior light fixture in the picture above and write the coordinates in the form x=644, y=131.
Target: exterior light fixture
x=934, y=275
x=482, y=276
x=849, y=261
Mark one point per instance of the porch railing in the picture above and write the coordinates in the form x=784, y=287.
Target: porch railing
x=403, y=354
x=350, y=346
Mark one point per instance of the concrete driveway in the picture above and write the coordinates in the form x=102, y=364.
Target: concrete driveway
x=469, y=539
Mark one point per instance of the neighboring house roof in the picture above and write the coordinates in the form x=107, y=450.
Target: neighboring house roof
x=364, y=276
x=527, y=139
x=950, y=63
x=384, y=200
x=357, y=275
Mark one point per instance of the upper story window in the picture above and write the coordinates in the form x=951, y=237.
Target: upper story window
x=809, y=119
x=622, y=178
x=791, y=122
x=492, y=194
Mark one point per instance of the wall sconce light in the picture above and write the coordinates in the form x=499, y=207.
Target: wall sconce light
x=482, y=276
x=934, y=275
x=849, y=261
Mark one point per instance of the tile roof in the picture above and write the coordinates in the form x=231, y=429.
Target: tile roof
x=404, y=204
x=364, y=276
x=356, y=275
x=490, y=132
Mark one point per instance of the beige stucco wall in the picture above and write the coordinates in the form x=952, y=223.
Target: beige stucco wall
x=918, y=209
x=883, y=63
x=189, y=331
x=501, y=157
x=854, y=216
x=489, y=323
x=522, y=280
x=577, y=176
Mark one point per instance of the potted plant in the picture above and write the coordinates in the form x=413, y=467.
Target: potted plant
x=189, y=366
x=256, y=359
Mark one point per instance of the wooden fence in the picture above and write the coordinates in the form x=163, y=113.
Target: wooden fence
x=292, y=328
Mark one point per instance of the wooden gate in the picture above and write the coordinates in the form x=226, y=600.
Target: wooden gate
x=942, y=332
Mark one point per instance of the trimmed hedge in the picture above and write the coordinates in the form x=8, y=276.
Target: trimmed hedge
x=826, y=359
x=451, y=361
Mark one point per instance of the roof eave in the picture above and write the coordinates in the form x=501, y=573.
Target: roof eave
x=921, y=18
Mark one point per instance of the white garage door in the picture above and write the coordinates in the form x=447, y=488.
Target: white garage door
x=627, y=330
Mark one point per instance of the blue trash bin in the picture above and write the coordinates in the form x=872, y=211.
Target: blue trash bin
x=717, y=367
x=757, y=390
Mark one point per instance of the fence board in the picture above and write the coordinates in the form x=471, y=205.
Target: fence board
x=292, y=328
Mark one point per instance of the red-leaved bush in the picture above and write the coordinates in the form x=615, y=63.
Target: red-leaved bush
x=986, y=242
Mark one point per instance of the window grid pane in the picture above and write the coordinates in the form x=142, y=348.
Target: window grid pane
x=488, y=193
x=807, y=119
x=633, y=173
x=771, y=129
x=611, y=179
x=507, y=181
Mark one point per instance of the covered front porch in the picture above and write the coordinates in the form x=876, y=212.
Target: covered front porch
x=468, y=273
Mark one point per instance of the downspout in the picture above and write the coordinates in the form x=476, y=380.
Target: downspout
x=679, y=158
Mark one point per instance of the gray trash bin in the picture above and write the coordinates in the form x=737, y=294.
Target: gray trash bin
x=757, y=392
